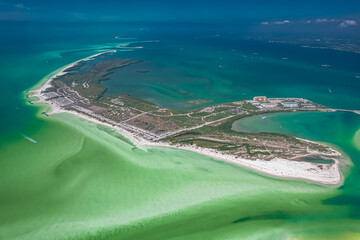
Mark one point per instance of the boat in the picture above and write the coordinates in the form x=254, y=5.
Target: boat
x=28, y=138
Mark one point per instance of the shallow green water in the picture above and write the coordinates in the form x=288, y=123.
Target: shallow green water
x=83, y=181
x=90, y=183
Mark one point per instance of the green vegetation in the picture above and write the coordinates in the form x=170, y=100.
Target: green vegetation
x=264, y=145
x=135, y=103
x=88, y=84
x=248, y=106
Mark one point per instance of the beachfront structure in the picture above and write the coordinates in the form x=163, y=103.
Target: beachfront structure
x=280, y=100
x=260, y=99
x=276, y=100
x=290, y=104
x=254, y=103
x=308, y=106
x=297, y=99
x=269, y=105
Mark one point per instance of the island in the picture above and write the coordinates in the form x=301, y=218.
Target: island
x=206, y=130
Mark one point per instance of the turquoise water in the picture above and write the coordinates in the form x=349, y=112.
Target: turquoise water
x=83, y=181
x=223, y=69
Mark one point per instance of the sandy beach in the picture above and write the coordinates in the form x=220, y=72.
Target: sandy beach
x=328, y=174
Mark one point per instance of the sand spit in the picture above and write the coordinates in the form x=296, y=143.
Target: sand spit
x=328, y=174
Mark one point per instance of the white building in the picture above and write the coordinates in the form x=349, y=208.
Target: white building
x=254, y=103
x=269, y=105
x=290, y=104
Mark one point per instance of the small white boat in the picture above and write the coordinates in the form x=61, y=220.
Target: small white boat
x=29, y=138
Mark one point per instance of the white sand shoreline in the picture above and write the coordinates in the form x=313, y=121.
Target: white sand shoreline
x=328, y=174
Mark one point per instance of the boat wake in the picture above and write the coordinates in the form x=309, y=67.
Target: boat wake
x=28, y=138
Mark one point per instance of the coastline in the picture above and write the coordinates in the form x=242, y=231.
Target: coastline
x=278, y=167
x=45, y=82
